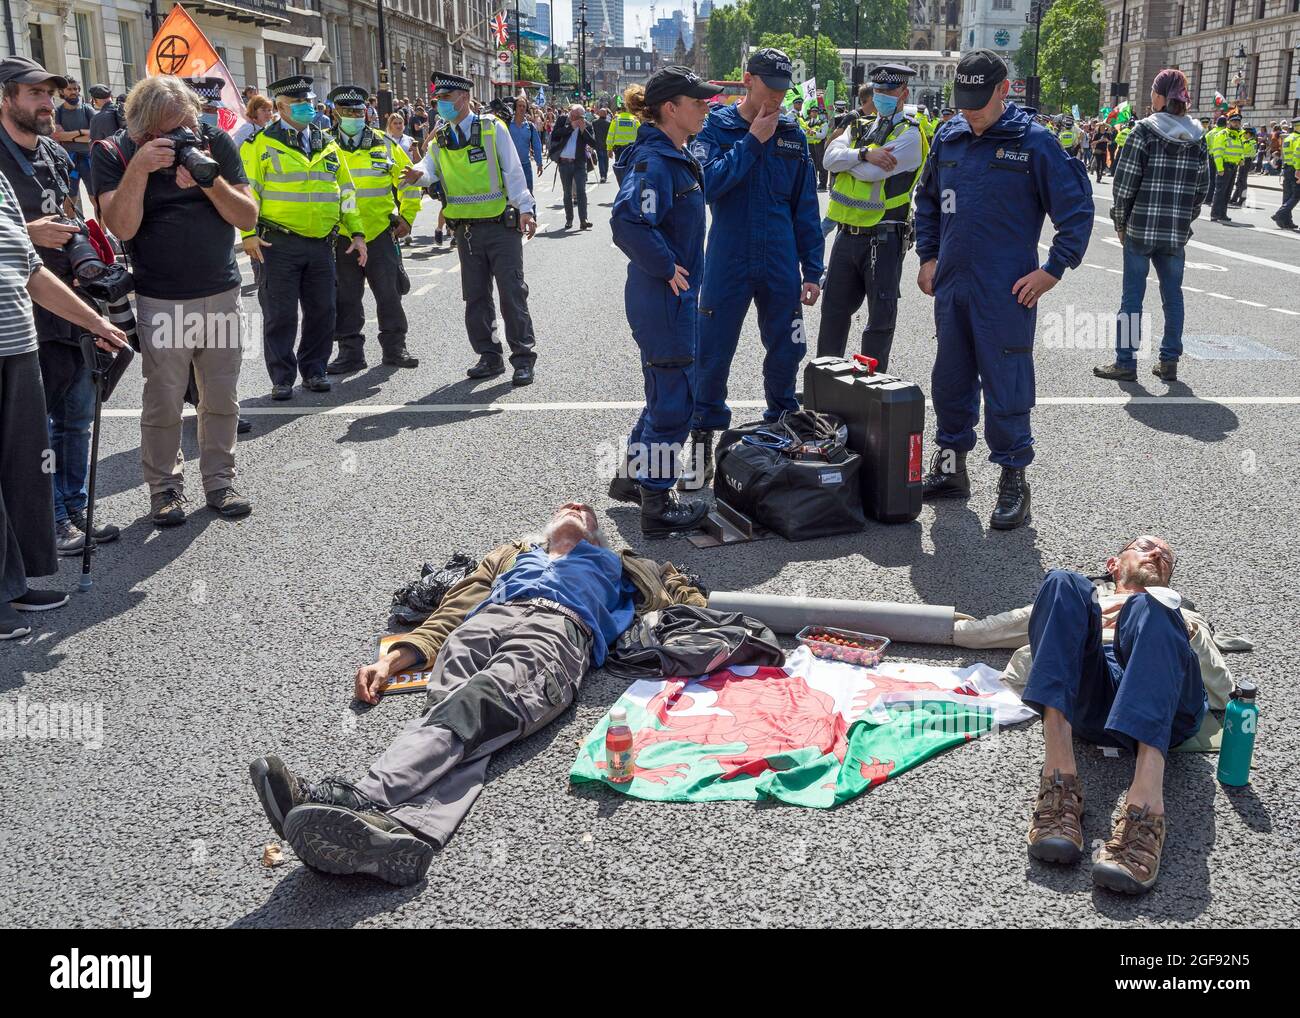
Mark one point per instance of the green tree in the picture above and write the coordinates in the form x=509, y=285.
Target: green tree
x=880, y=24
x=1072, y=36
x=729, y=29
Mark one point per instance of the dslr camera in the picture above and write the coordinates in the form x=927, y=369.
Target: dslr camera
x=191, y=153
x=101, y=280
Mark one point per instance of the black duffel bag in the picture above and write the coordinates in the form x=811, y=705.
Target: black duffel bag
x=798, y=498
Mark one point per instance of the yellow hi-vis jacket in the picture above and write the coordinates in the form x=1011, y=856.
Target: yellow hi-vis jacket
x=309, y=195
x=376, y=163
x=622, y=131
x=857, y=202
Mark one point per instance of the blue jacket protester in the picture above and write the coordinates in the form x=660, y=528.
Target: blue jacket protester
x=980, y=207
x=764, y=243
x=658, y=222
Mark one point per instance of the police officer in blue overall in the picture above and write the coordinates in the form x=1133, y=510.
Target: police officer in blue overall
x=658, y=222
x=765, y=247
x=991, y=177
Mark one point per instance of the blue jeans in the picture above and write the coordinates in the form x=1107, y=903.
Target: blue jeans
x=71, y=414
x=1169, y=270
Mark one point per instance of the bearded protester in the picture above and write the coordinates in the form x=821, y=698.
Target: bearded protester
x=180, y=234
x=39, y=171
x=1122, y=669
x=508, y=648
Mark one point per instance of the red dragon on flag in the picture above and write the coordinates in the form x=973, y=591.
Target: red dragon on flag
x=813, y=733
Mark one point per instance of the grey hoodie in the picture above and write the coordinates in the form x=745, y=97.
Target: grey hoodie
x=1172, y=128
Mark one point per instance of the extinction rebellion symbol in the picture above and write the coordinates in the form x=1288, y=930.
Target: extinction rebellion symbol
x=172, y=53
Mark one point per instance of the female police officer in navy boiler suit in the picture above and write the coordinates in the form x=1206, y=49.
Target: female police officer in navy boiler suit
x=658, y=222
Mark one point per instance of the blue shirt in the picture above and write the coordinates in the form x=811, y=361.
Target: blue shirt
x=588, y=579
x=526, y=139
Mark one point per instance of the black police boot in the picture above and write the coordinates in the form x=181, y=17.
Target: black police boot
x=487, y=367
x=698, y=471
x=947, y=477
x=1165, y=370
x=1012, y=509
x=664, y=513
x=624, y=488
x=401, y=358
x=346, y=362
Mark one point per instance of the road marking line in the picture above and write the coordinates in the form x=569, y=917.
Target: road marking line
x=375, y=409
x=1221, y=296
x=1285, y=311
x=424, y=289
x=1252, y=303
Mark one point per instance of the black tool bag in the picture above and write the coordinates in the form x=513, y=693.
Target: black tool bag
x=417, y=600
x=796, y=492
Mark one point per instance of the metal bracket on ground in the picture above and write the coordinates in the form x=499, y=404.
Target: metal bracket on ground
x=726, y=524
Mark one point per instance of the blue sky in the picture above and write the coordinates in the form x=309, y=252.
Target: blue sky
x=563, y=16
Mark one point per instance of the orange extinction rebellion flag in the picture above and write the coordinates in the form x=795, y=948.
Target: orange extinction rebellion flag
x=181, y=48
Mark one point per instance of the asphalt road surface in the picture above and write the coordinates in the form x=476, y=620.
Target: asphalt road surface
x=217, y=641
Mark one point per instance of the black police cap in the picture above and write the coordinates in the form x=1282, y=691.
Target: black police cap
x=773, y=67
x=671, y=81
x=979, y=72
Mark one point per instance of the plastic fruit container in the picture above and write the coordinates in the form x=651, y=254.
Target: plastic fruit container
x=843, y=645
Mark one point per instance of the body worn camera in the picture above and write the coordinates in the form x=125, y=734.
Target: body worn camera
x=191, y=153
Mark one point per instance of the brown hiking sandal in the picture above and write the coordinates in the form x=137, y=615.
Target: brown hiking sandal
x=1056, y=828
x=1130, y=861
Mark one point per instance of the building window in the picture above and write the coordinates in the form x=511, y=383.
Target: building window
x=130, y=71
x=272, y=67
x=1284, y=82
x=1002, y=5
x=1259, y=9
x=85, y=49
x=36, y=36
x=1232, y=13
x=1205, y=15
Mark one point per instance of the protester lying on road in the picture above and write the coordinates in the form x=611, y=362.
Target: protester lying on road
x=510, y=645
x=1141, y=690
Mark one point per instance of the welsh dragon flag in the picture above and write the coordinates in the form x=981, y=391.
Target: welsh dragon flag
x=812, y=733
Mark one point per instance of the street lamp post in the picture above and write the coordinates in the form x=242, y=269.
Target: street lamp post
x=519, y=74
x=385, y=96
x=816, y=9
x=1064, y=85
x=1241, y=76
x=857, y=16
x=582, y=47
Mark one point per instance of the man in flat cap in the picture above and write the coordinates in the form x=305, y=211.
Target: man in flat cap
x=490, y=210
x=306, y=197
x=377, y=163
x=765, y=248
x=876, y=165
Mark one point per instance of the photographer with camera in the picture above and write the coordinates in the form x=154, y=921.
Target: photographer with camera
x=172, y=189
x=39, y=171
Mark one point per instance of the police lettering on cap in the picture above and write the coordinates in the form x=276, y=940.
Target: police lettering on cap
x=348, y=95
x=28, y=72
x=773, y=68
x=671, y=81
x=207, y=89
x=445, y=81
x=979, y=72
x=891, y=76
x=296, y=86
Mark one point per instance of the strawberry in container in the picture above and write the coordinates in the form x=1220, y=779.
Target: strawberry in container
x=845, y=645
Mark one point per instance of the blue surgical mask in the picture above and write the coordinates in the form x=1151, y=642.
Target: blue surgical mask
x=211, y=119
x=302, y=113
x=447, y=109
x=886, y=105
x=352, y=126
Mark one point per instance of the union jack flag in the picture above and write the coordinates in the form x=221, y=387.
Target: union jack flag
x=501, y=28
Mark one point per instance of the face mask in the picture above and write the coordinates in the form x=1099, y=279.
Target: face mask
x=302, y=113
x=886, y=105
x=211, y=119
x=352, y=126
x=447, y=109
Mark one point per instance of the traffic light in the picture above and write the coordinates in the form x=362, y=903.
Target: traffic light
x=587, y=87
x=552, y=74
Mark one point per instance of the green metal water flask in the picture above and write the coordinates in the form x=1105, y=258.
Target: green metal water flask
x=1238, y=744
